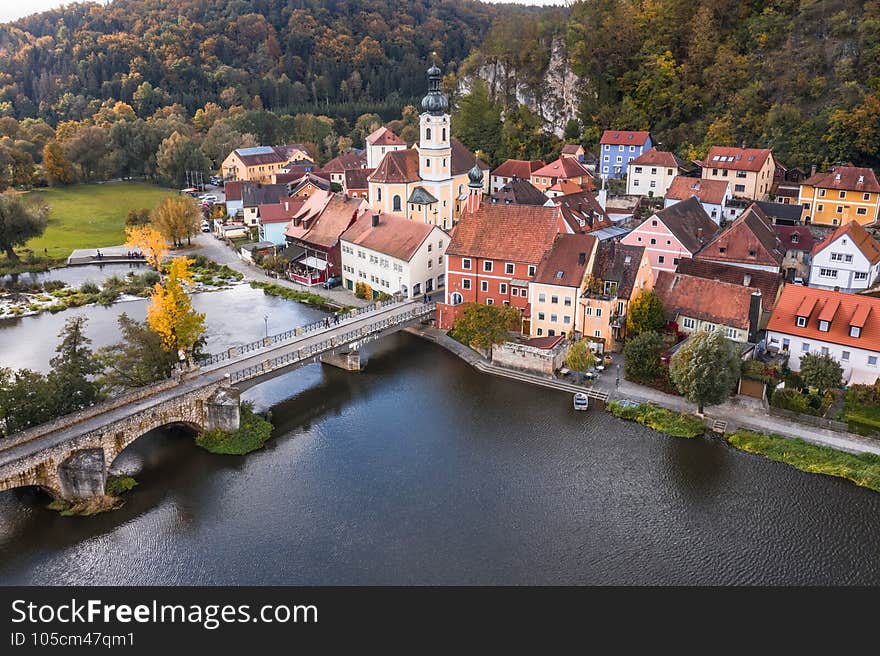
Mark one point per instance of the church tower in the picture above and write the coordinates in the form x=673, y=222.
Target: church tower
x=475, y=189
x=435, y=152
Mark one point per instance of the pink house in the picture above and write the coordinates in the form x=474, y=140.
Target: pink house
x=673, y=234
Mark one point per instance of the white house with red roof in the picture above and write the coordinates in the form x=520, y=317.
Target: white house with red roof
x=748, y=170
x=392, y=254
x=848, y=259
x=713, y=195
x=617, y=148
x=513, y=169
x=844, y=326
x=651, y=173
x=379, y=143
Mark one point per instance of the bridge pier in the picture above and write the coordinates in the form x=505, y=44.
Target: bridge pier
x=349, y=361
x=83, y=475
x=223, y=410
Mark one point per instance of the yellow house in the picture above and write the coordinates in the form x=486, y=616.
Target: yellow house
x=428, y=182
x=748, y=170
x=844, y=194
x=558, y=283
x=618, y=275
x=261, y=163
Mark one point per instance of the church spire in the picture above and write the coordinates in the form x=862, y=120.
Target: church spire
x=435, y=103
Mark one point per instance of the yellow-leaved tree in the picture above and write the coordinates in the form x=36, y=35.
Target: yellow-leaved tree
x=177, y=218
x=148, y=241
x=170, y=313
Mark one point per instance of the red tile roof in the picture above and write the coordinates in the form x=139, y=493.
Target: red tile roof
x=624, y=137
x=846, y=178
x=571, y=149
x=582, y=212
x=722, y=303
x=654, y=157
x=394, y=236
x=738, y=159
x=232, y=190
x=544, y=343
x=853, y=309
x=356, y=179
x=795, y=238
x=515, y=233
x=336, y=217
x=562, y=265
x=268, y=154
x=860, y=237
x=750, y=240
x=564, y=167
x=384, y=137
x=462, y=159
x=768, y=282
x=281, y=212
x=711, y=192
x=397, y=166
x=518, y=168
x=564, y=187
x=345, y=161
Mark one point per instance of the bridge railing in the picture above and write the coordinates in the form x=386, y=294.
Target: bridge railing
x=309, y=351
x=241, y=349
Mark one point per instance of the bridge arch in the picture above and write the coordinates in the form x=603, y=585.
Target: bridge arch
x=122, y=439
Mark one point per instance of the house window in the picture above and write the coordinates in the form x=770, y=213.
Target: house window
x=828, y=273
x=732, y=333
x=531, y=270
x=661, y=259
x=396, y=203
x=428, y=134
x=553, y=318
x=653, y=184
x=567, y=301
x=844, y=355
x=635, y=183
x=866, y=197
x=740, y=188
x=821, y=193
x=502, y=288
x=466, y=263
x=824, y=350
x=638, y=169
x=514, y=291
x=653, y=222
x=598, y=312
x=855, y=331
x=820, y=207
x=588, y=311
x=805, y=347
x=487, y=265
x=824, y=326
x=675, y=261
x=540, y=316
x=484, y=285
x=542, y=298
x=378, y=193
x=653, y=241
x=688, y=323
x=489, y=301
x=842, y=194
x=508, y=268
x=840, y=209
x=619, y=159
x=597, y=333
x=709, y=327
x=551, y=332
x=566, y=319
x=540, y=331
x=861, y=211
x=801, y=322
x=860, y=275
x=872, y=360
x=466, y=283
x=554, y=300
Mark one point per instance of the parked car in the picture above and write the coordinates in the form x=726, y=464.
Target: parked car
x=208, y=198
x=206, y=228
x=332, y=282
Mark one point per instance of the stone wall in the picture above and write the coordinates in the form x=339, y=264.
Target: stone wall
x=529, y=358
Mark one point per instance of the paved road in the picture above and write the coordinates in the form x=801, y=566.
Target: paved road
x=210, y=375
x=215, y=249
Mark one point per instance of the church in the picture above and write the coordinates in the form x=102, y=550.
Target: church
x=431, y=181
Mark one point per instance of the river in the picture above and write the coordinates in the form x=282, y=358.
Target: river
x=421, y=470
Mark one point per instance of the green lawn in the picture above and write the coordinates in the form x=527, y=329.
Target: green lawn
x=91, y=215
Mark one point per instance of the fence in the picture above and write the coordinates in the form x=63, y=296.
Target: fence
x=241, y=349
x=819, y=422
x=308, y=352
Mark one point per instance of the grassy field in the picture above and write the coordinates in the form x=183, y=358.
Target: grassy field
x=91, y=215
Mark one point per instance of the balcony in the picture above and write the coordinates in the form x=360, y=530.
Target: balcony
x=617, y=320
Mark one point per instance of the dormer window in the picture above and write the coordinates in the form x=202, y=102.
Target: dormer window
x=855, y=331
x=753, y=253
x=824, y=326
x=795, y=239
x=801, y=322
x=722, y=249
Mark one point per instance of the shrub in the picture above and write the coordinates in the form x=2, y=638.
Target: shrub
x=53, y=285
x=795, y=401
x=89, y=287
x=252, y=434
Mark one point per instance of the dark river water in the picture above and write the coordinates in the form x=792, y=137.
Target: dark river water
x=421, y=470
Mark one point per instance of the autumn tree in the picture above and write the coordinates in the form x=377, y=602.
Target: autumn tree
x=20, y=221
x=580, y=356
x=135, y=218
x=149, y=241
x=58, y=167
x=88, y=150
x=645, y=313
x=642, y=357
x=705, y=368
x=170, y=313
x=481, y=326
x=177, y=218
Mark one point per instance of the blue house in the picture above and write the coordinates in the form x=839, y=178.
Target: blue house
x=272, y=220
x=617, y=148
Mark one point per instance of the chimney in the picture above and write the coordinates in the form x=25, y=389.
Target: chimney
x=812, y=170
x=754, y=314
x=582, y=259
x=286, y=206
x=375, y=220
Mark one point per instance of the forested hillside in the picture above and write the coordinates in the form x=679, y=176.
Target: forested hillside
x=800, y=76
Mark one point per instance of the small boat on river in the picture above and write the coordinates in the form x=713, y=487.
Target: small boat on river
x=581, y=401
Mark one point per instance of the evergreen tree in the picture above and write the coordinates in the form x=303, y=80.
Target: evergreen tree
x=477, y=122
x=71, y=380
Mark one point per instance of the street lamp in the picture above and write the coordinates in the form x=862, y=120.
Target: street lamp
x=266, y=319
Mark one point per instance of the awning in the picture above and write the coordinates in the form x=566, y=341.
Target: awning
x=313, y=263
x=292, y=252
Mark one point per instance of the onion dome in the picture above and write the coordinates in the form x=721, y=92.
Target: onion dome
x=475, y=175
x=435, y=102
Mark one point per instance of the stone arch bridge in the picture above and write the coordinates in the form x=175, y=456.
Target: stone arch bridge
x=70, y=456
